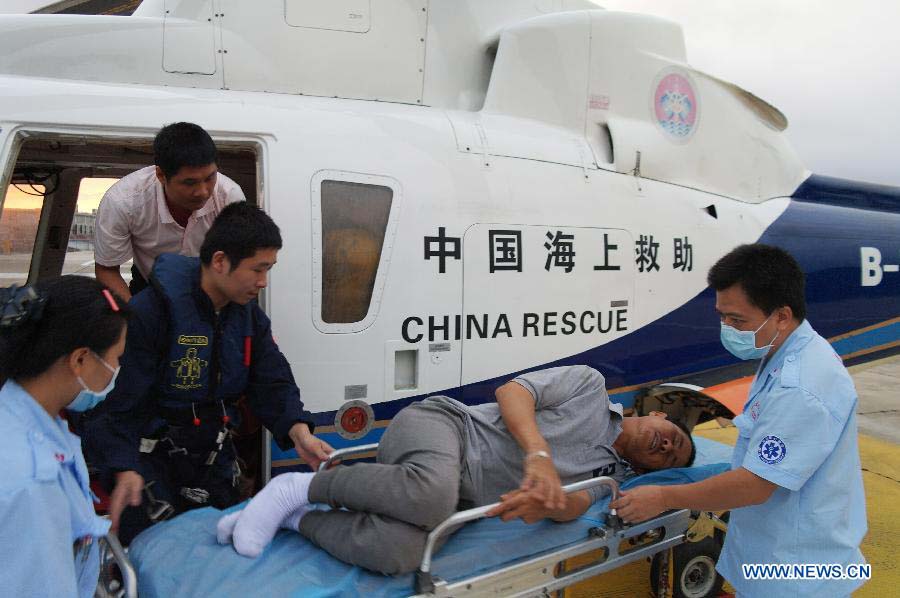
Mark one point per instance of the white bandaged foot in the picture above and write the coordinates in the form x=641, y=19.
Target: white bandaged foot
x=281, y=503
x=292, y=521
x=225, y=527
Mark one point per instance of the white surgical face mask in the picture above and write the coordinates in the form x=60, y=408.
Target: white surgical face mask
x=87, y=398
x=742, y=343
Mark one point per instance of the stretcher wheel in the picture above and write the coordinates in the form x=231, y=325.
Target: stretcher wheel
x=694, y=570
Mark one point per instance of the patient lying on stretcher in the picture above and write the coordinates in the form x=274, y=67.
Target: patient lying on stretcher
x=547, y=428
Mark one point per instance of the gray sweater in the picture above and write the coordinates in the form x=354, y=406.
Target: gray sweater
x=575, y=417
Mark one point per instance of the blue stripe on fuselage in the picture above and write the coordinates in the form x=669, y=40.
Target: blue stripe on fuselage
x=849, y=194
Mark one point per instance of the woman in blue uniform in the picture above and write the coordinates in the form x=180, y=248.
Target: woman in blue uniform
x=60, y=343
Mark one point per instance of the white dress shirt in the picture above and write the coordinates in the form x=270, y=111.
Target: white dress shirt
x=133, y=221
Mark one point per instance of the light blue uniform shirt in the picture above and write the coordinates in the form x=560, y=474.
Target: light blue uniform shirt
x=798, y=430
x=45, y=504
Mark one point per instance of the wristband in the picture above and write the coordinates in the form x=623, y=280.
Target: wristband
x=541, y=454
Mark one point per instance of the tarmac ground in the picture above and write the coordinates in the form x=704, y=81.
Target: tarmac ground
x=14, y=267
x=878, y=386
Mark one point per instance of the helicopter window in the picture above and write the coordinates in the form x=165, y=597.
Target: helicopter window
x=18, y=231
x=354, y=221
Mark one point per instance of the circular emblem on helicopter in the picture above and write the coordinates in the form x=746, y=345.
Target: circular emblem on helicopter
x=676, y=107
x=354, y=420
x=771, y=450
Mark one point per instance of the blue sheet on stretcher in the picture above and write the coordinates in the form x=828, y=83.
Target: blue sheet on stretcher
x=181, y=557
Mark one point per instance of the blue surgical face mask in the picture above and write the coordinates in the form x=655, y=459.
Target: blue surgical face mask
x=742, y=343
x=87, y=398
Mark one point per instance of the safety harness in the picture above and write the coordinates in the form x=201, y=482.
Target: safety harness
x=201, y=360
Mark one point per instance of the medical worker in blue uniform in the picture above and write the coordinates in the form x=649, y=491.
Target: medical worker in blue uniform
x=198, y=343
x=795, y=489
x=60, y=343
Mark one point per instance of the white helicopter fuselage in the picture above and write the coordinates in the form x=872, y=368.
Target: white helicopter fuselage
x=461, y=322
x=559, y=203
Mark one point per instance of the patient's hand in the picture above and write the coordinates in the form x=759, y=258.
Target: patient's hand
x=639, y=504
x=526, y=505
x=542, y=480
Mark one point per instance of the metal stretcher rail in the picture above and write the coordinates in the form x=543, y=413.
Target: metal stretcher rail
x=129, y=575
x=424, y=579
x=540, y=575
x=346, y=452
x=424, y=582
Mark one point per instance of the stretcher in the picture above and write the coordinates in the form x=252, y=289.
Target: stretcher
x=486, y=557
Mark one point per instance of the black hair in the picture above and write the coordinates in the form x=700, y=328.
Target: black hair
x=182, y=144
x=683, y=427
x=239, y=231
x=74, y=312
x=769, y=276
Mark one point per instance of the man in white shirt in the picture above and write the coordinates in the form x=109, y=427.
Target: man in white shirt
x=165, y=208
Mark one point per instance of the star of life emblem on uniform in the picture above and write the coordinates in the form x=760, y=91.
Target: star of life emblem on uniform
x=771, y=450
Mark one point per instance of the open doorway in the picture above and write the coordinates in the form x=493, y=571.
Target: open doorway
x=57, y=182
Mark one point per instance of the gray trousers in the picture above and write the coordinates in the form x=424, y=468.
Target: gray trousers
x=391, y=504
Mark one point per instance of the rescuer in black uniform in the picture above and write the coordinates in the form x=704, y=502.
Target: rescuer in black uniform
x=198, y=342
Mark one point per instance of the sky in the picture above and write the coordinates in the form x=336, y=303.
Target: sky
x=830, y=66
x=89, y=195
